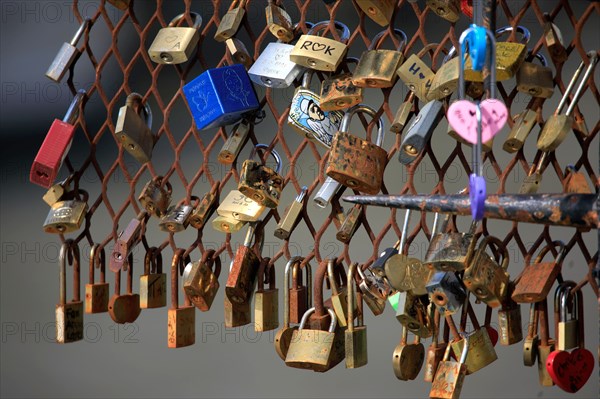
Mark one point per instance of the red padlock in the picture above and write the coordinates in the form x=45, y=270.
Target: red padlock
x=56, y=145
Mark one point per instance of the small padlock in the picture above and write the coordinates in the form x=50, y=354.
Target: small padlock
x=155, y=198
x=177, y=218
x=201, y=280
x=531, y=182
x=236, y=314
x=181, y=321
x=446, y=292
x=522, y=126
x=535, y=80
x=234, y=143
x=419, y=132
x=339, y=294
x=339, y=92
x=355, y=336
x=204, y=209
x=567, y=321
x=435, y=351
x=291, y=217
x=220, y=96
x=545, y=345
x=380, y=11
x=416, y=75
x=239, y=207
x=96, y=294
x=230, y=23
x=174, y=45
x=374, y=290
x=320, y=53
x=227, y=225
x=352, y=220
x=509, y=323
x=402, y=116
x=69, y=315
x=530, y=345
x=133, y=131
x=356, y=163
x=67, y=55
x=244, y=269
x=448, y=9
x=266, y=302
x=153, y=283
x=66, y=216
x=56, y=145
x=124, y=308
x=126, y=242
x=259, y=182
x=279, y=21
x=554, y=41
x=575, y=181
x=308, y=119
x=450, y=251
x=56, y=192
x=239, y=52
x=377, y=68
x=450, y=375
x=408, y=359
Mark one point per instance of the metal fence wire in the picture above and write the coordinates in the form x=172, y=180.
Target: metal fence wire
x=199, y=181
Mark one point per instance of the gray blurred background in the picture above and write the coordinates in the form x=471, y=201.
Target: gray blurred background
x=133, y=360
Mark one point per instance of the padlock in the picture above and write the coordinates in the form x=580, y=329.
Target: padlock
x=177, y=218
x=153, y=283
x=447, y=9
x=374, y=290
x=236, y=314
x=291, y=217
x=230, y=23
x=227, y=225
x=96, y=294
x=259, y=182
x=339, y=294
x=554, y=41
x=402, y=116
x=377, y=68
x=435, y=351
x=575, y=181
x=485, y=147
x=300, y=294
x=239, y=207
x=532, y=181
x=378, y=266
x=175, y=45
x=284, y=335
x=279, y=21
x=352, y=220
x=484, y=277
x=134, y=131
x=356, y=163
x=420, y=130
x=201, y=280
x=329, y=188
x=522, y=126
x=416, y=75
x=266, y=302
x=535, y=80
x=67, y=55
x=308, y=119
x=126, y=242
x=567, y=320
x=558, y=125
x=244, y=269
x=532, y=340
x=446, y=292
x=239, y=52
x=181, y=321
x=339, y=92
x=321, y=53
x=355, y=336
x=509, y=323
x=120, y=4
x=450, y=251
x=66, y=216
x=56, y=192
x=408, y=359
x=412, y=314
x=234, y=143
x=450, y=375
x=56, y=145
x=204, y=209
x=69, y=315
x=155, y=198
x=380, y=11
x=124, y=308
x=538, y=277
x=545, y=345
x=220, y=96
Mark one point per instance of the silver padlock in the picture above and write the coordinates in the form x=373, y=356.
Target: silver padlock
x=176, y=219
x=446, y=292
x=327, y=191
x=67, y=55
x=419, y=132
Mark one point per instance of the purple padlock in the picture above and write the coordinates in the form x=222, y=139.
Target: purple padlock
x=477, y=194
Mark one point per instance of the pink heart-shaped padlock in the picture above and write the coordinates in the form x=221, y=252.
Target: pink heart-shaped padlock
x=463, y=119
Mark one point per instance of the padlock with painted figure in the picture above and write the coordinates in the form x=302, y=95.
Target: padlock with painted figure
x=318, y=52
x=153, y=283
x=96, y=294
x=69, y=315
x=535, y=80
x=230, y=23
x=380, y=11
x=355, y=336
x=67, y=55
x=450, y=375
x=133, y=130
x=291, y=217
x=67, y=215
x=266, y=302
x=124, y=308
x=173, y=44
x=340, y=92
x=201, y=280
x=259, y=182
x=377, y=68
x=181, y=320
x=244, y=269
x=354, y=162
x=155, y=198
x=56, y=145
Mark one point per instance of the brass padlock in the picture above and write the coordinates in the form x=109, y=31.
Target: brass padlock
x=321, y=53
x=352, y=220
x=336, y=276
x=124, y=308
x=532, y=181
x=380, y=11
x=239, y=52
x=238, y=207
x=227, y=225
x=181, y=321
x=66, y=216
x=174, y=45
x=402, y=116
x=554, y=41
x=69, y=315
x=340, y=92
x=244, y=269
x=177, y=218
x=96, y=294
x=279, y=21
x=204, y=209
x=575, y=181
x=535, y=80
x=234, y=143
x=300, y=294
x=230, y=23
x=355, y=336
x=67, y=55
x=153, y=283
x=545, y=345
x=558, y=125
x=450, y=375
x=201, y=280
x=530, y=345
x=567, y=321
x=374, y=290
x=236, y=314
x=266, y=302
x=447, y=9
x=451, y=251
x=412, y=315
x=416, y=75
x=56, y=192
x=259, y=182
x=377, y=68
x=356, y=163
x=420, y=130
x=408, y=359
x=435, y=352
x=134, y=131
x=523, y=124
x=308, y=119
x=484, y=277
x=284, y=335
x=509, y=323
x=126, y=242
x=154, y=198
x=291, y=217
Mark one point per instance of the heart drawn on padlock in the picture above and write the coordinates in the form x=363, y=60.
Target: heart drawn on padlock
x=462, y=116
x=318, y=47
x=570, y=371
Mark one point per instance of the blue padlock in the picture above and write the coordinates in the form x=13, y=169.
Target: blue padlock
x=220, y=96
x=477, y=41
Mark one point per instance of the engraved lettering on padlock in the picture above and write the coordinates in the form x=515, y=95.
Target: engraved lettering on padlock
x=67, y=55
x=318, y=52
x=450, y=375
x=416, y=75
x=174, y=45
x=239, y=207
x=176, y=219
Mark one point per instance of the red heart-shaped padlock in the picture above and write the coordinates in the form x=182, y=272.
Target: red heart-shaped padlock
x=570, y=371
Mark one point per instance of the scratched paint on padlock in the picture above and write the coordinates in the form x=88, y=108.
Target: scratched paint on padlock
x=306, y=115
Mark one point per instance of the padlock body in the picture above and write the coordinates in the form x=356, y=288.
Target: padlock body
x=242, y=276
x=65, y=216
x=317, y=350
x=201, y=285
x=509, y=57
x=273, y=67
x=155, y=199
x=176, y=219
x=124, y=308
x=408, y=360
x=260, y=183
x=481, y=350
x=509, y=323
x=535, y=80
x=153, y=290
x=377, y=68
x=447, y=9
x=523, y=125
x=351, y=223
x=355, y=345
x=203, y=211
x=283, y=338
x=289, y=220
x=234, y=144
x=530, y=350
x=96, y=298
x=62, y=62
x=238, y=206
x=229, y=24
x=401, y=117
x=340, y=92
x=554, y=132
x=535, y=282
x=446, y=292
x=266, y=310
x=134, y=134
x=531, y=183
x=380, y=11
x=279, y=23
x=181, y=327
x=419, y=132
x=448, y=380
x=227, y=225
x=543, y=352
x=417, y=76
x=52, y=153
x=173, y=45
x=486, y=280
x=69, y=322
x=317, y=52
x=449, y=252
x=445, y=81
x=567, y=335
x=237, y=314
x=435, y=354
x=220, y=96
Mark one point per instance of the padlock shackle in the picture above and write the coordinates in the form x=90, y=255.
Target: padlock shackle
x=561, y=295
x=461, y=62
x=352, y=294
x=274, y=154
x=266, y=274
x=82, y=28
x=302, y=194
x=62, y=271
x=135, y=101
x=148, y=260
x=251, y=234
x=97, y=261
x=525, y=34
x=319, y=26
x=212, y=262
x=197, y=20
x=379, y=37
x=306, y=315
x=286, y=288
x=331, y=264
x=73, y=111
x=539, y=56
x=404, y=232
x=175, y=265
x=463, y=355
x=365, y=109
x=561, y=254
x=488, y=240
x=593, y=56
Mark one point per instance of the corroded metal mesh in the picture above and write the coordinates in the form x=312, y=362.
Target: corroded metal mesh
x=201, y=180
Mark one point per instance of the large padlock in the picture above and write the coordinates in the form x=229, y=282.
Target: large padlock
x=174, y=45
x=66, y=216
x=321, y=53
x=339, y=92
x=308, y=119
x=56, y=145
x=420, y=130
x=96, y=294
x=450, y=375
x=181, y=321
x=259, y=182
x=124, y=308
x=239, y=207
x=380, y=11
x=291, y=217
x=450, y=251
x=244, y=269
x=355, y=336
x=446, y=292
x=408, y=359
x=134, y=131
x=485, y=278
x=220, y=96
x=67, y=55
x=356, y=163
x=177, y=217
x=535, y=80
x=266, y=302
x=447, y=9
x=69, y=315
x=201, y=280
x=155, y=198
x=284, y=335
x=153, y=283
x=279, y=21
x=230, y=23
x=377, y=68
